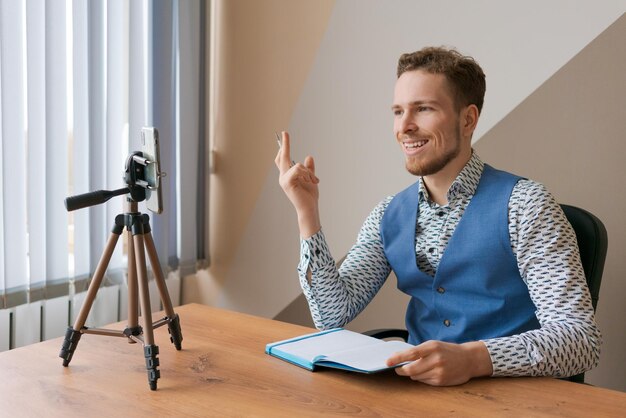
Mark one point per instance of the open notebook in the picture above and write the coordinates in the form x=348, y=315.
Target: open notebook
x=338, y=348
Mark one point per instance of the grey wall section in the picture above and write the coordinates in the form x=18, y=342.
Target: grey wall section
x=570, y=135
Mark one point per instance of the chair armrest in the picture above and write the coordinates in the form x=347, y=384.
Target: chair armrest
x=388, y=333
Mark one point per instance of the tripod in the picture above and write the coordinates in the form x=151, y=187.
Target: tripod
x=139, y=239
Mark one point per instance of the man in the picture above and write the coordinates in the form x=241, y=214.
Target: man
x=488, y=258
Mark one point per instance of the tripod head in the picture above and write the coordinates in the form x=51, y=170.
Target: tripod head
x=136, y=185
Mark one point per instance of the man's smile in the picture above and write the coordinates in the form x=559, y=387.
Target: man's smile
x=412, y=146
x=417, y=144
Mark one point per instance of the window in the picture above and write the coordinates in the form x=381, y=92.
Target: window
x=78, y=80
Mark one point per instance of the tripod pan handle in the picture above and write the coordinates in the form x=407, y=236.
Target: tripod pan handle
x=92, y=198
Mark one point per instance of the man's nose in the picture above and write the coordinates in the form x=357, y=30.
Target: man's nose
x=407, y=123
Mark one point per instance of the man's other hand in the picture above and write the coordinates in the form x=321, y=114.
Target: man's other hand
x=439, y=363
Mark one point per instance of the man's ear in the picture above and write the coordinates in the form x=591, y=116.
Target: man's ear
x=469, y=119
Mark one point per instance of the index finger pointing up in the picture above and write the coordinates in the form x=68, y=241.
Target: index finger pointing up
x=284, y=155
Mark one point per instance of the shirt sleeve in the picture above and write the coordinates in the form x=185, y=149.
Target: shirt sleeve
x=568, y=341
x=337, y=295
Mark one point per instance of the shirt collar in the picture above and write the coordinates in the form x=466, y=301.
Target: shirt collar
x=464, y=184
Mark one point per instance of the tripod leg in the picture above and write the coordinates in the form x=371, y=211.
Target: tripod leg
x=133, y=327
x=173, y=325
x=150, y=349
x=72, y=335
x=176, y=336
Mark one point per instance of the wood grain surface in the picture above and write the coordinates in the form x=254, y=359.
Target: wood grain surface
x=223, y=371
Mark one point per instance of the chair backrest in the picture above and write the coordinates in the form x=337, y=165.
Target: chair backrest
x=592, y=243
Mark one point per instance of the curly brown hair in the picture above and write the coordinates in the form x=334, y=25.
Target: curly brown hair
x=465, y=76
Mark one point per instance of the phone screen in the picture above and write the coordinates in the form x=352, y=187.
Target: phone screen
x=150, y=149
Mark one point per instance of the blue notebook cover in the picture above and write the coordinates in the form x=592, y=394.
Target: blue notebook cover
x=337, y=348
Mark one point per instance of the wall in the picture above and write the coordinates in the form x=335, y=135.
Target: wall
x=325, y=71
x=264, y=54
x=569, y=135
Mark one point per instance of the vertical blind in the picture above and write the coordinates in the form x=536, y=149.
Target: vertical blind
x=78, y=81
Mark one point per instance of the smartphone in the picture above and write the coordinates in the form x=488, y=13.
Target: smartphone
x=150, y=150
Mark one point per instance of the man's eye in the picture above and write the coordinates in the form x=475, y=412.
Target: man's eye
x=397, y=112
x=424, y=108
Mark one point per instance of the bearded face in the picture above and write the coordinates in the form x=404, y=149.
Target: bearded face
x=426, y=122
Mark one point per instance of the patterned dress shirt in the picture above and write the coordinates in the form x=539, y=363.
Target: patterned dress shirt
x=544, y=243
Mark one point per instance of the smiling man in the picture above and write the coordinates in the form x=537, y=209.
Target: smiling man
x=488, y=258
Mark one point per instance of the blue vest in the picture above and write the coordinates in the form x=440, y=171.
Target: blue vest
x=477, y=292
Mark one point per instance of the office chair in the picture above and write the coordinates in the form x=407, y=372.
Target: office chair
x=592, y=243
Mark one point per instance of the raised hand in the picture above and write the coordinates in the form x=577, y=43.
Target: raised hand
x=300, y=184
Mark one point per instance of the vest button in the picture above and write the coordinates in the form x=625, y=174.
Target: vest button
x=441, y=289
x=446, y=322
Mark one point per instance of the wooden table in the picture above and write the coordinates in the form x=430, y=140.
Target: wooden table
x=223, y=371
